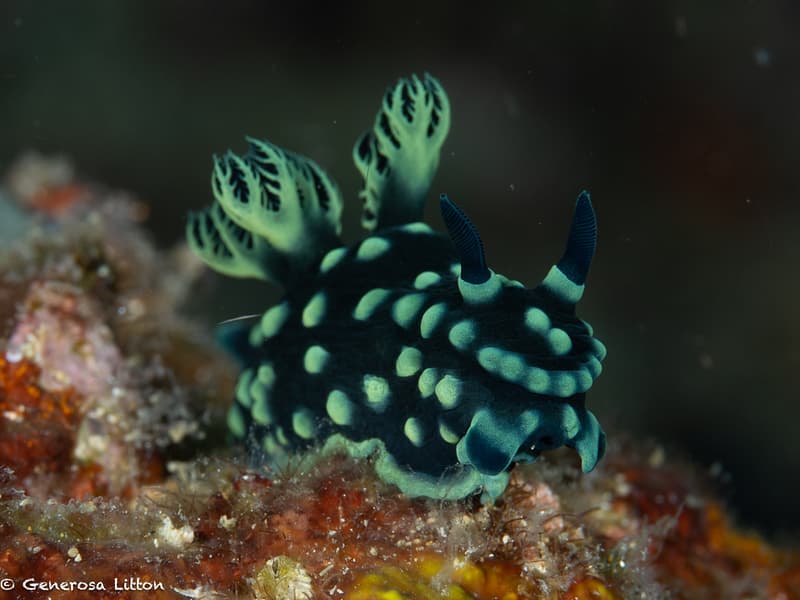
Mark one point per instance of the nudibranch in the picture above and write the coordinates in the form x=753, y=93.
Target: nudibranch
x=405, y=347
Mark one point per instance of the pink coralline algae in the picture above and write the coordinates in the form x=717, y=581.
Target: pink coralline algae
x=61, y=330
x=89, y=317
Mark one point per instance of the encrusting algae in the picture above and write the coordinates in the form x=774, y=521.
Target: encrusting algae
x=162, y=513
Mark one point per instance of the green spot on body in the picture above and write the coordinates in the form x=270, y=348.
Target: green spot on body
x=340, y=408
x=447, y=434
x=369, y=303
x=255, y=338
x=281, y=436
x=331, y=259
x=236, y=421
x=260, y=412
x=559, y=341
x=426, y=279
x=569, y=421
x=563, y=384
x=462, y=334
x=417, y=227
x=599, y=348
x=405, y=309
x=371, y=248
x=243, y=388
x=270, y=446
x=427, y=382
x=512, y=366
x=273, y=319
x=303, y=423
x=409, y=361
x=377, y=392
x=314, y=311
x=537, y=320
x=490, y=358
x=315, y=359
x=266, y=374
x=537, y=380
x=414, y=431
x=431, y=319
x=594, y=367
x=583, y=379
x=448, y=391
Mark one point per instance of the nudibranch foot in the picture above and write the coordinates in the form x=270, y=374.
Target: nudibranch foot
x=404, y=347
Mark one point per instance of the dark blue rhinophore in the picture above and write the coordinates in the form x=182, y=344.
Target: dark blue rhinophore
x=467, y=241
x=581, y=242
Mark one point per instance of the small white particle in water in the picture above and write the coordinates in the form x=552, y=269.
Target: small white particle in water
x=762, y=57
x=681, y=28
x=706, y=361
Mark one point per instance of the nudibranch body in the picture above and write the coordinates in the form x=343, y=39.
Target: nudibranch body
x=404, y=347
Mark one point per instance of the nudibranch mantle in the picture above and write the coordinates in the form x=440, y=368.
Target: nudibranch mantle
x=405, y=347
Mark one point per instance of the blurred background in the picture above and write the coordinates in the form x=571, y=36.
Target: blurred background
x=682, y=118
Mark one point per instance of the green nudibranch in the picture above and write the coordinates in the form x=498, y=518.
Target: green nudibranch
x=406, y=346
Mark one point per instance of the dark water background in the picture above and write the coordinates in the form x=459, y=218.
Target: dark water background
x=682, y=119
